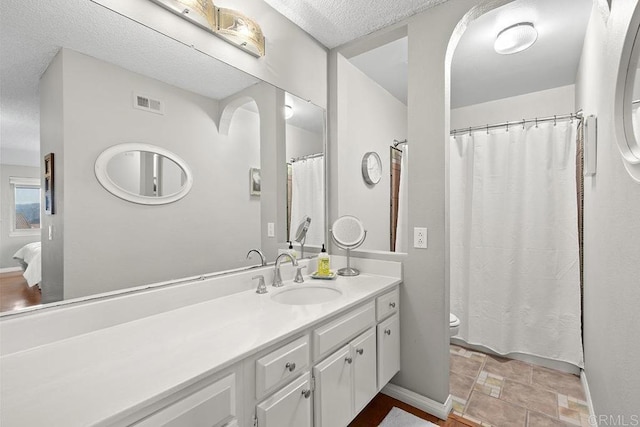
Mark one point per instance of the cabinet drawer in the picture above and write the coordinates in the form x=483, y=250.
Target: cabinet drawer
x=290, y=407
x=337, y=332
x=281, y=365
x=212, y=406
x=387, y=304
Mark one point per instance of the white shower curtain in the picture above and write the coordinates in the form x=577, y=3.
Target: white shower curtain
x=307, y=198
x=403, y=202
x=515, y=271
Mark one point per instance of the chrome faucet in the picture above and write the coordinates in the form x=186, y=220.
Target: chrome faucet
x=263, y=261
x=262, y=288
x=277, y=279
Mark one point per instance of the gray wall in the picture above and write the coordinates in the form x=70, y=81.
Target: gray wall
x=612, y=230
x=112, y=244
x=10, y=244
x=294, y=61
x=301, y=142
x=52, y=141
x=545, y=103
x=424, y=319
x=369, y=119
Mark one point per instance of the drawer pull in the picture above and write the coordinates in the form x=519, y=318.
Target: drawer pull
x=392, y=304
x=306, y=393
x=360, y=351
x=349, y=360
x=290, y=366
x=387, y=331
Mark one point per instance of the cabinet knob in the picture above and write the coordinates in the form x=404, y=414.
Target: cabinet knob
x=360, y=351
x=306, y=393
x=349, y=360
x=387, y=331
x=392, y=304
x=290, y=366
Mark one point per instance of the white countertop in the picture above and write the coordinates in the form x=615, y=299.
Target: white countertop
x=87, y=379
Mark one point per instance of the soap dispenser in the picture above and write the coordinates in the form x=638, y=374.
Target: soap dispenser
x=323, y=263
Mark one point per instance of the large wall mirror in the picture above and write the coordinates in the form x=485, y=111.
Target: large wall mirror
x=69, y=87
x=628, y=98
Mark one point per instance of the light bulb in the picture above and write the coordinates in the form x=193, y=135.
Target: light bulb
x=515, y=38
x=288, y=112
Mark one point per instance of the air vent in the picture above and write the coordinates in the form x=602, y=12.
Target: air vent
x=143, y=102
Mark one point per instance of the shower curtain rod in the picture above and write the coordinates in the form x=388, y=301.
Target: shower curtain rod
x=577, y=115
x=308, y=156
x=396, y=142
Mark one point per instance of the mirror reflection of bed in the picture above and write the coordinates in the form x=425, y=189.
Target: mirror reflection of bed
x=21, y=288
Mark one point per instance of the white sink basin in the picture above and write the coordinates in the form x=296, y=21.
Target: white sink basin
x=306, y=295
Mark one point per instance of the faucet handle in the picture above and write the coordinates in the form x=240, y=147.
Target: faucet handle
x=299, y=278
x=262, y=288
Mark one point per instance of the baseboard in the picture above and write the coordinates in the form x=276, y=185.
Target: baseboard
x=10, y=269
x=437, y=409
x=587, y=393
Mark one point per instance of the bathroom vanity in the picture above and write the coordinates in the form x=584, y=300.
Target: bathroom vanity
x=240, y=359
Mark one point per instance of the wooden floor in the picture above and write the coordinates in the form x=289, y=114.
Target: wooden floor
x=15, y=293
x=379, y=407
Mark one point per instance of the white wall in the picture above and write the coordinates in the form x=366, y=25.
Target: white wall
x=612, y=231
x=10, y=244
x=294, y=61
x=545, y=103
x=112, y=244
x=370, y=118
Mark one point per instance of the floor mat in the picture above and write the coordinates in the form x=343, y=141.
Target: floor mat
x=399, y=418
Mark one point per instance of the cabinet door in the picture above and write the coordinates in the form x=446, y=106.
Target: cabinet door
x=290, y=407
x=363, y=349
x=333, y=406
x=388, y=349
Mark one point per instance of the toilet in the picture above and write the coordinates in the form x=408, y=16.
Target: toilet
x=454, y=325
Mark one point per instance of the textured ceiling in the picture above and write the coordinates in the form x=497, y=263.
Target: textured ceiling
x=32, y=32
x=335, y=22
x=478, y=73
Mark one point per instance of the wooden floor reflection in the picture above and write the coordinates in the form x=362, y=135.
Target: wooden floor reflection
x=15, y=293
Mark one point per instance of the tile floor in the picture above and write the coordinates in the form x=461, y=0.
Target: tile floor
x=493, y=391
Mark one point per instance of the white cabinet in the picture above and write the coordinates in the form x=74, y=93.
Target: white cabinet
x=388, y=349
x=290, y=407
x=281, y=365
x=335, y=333
x=354, y=356
x=363, y=350
x=345, y=381
x=333, y=405
x=212, y=406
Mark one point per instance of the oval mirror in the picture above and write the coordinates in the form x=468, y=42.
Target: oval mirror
x=143, y=173
x=628, y=104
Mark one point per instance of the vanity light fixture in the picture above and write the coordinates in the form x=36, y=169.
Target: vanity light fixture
x=516, y=38
x=288, y=112
x=228, y=24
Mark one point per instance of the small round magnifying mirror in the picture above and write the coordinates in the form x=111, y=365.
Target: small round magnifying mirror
x=348, y=233
x=301, y=233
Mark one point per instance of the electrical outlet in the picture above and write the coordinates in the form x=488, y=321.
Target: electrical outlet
x=271, y=229
x=420, y=237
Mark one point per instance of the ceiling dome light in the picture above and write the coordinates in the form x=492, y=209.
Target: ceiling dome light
x=288, y=112
x=516, y=38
